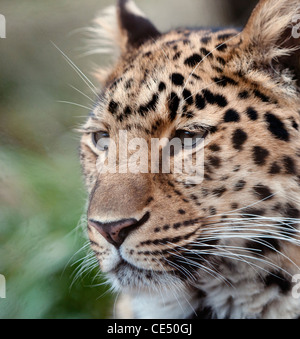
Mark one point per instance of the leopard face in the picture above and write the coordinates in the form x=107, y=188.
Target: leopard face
x=238, y=92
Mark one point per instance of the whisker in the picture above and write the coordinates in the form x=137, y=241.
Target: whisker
x=75, y=104
x=84, y=78
x=176, y=288
x=282, y=235
x=243, y=208
x=85, y=95
x=231, y=255
x=257, y=238
x=115, y=304
x=192, y=263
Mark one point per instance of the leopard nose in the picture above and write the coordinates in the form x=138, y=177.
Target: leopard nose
x=116, y=232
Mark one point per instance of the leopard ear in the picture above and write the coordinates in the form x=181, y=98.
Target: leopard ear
x=117, y=30
x=272, y=34
x=134, y=26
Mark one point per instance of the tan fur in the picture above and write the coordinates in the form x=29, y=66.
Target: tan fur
x=181, y=214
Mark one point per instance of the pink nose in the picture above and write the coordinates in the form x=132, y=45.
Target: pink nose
x=116, y=232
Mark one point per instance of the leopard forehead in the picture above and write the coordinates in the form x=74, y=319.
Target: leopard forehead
x=166, y=74
x=184, y=75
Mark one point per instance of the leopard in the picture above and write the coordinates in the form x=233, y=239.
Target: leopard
x=223, y=247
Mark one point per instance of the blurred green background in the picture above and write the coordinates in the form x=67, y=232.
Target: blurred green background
x=42, y=197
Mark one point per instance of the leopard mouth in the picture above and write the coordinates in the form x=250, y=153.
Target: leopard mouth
x=124, y=265
x=127, y=276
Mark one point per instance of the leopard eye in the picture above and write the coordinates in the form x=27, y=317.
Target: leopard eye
x=190, y=139
x=101, y=140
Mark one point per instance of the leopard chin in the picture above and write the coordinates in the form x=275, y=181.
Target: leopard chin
x=129, y=278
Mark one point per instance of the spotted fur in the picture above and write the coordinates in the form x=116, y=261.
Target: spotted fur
x=228, y=247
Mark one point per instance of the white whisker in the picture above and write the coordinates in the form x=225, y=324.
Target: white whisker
x=85, y=95
x=75, y=104
x=84, y=78
x=214, y=273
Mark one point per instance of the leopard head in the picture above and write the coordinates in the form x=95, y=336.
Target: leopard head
x=235, y=91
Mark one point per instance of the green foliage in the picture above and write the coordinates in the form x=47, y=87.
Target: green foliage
x=42, y=198
x=42, y=205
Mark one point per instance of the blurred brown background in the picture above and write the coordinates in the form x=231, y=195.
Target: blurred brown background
x=41, y=193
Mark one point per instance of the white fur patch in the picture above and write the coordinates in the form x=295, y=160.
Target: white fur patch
x=104, y=34
x=132, y=8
